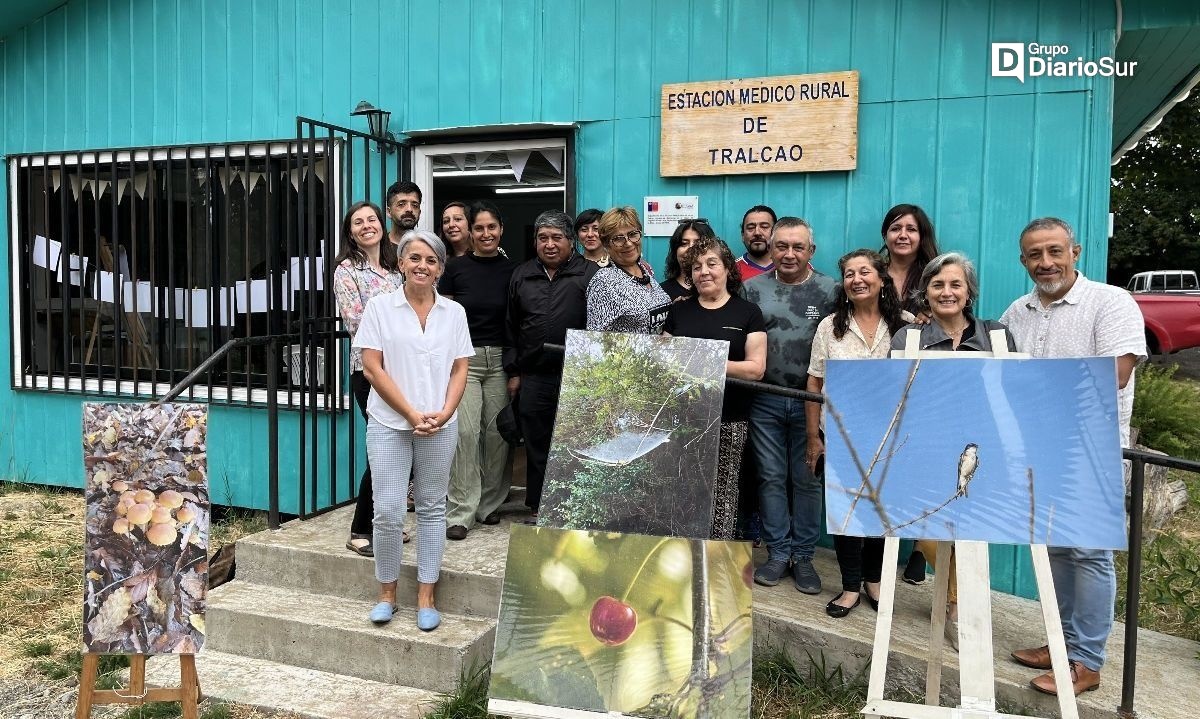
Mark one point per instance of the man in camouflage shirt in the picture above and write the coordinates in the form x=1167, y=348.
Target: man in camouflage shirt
x=793, y=298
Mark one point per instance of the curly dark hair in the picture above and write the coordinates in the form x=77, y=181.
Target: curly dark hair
x=701, y=227
x=733, y=277
x=889, y=301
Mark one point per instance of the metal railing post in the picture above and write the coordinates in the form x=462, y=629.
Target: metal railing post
x=273, y=434
x=1133, y=586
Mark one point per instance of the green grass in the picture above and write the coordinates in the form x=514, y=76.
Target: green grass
x=468, y=701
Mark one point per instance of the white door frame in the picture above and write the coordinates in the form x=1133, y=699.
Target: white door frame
x=422, y=167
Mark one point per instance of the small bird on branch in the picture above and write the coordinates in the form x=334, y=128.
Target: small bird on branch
x=968, y=462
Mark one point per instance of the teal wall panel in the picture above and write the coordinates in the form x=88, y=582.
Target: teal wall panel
x=982, y=154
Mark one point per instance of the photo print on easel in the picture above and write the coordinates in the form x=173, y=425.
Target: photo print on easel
x=636, y=435
x=623, y=625
x=996, y=450
x=146, y=547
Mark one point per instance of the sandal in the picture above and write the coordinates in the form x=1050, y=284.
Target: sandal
x=531, y=521
x=363, y=550
x=406, y=538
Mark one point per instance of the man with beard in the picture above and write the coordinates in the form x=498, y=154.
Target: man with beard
x=1068, y=315
x=403, y=207
x=547, y=296
x=756, y=235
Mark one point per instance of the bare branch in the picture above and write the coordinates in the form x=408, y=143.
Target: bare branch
x=866, y=487
x=1032, y=505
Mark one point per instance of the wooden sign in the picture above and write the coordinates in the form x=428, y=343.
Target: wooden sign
x=792, y=123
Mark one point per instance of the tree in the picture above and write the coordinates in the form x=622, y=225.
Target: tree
x=1156, y=198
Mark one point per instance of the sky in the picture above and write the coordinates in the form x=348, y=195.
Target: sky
x=1057, y=417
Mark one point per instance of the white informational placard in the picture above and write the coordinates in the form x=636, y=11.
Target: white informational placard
x=663, y=213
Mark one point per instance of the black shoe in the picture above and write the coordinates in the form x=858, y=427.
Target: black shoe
x=362, y=550
x=914, y=571
x=871, y=601
x=805, y=576
x=456, y=532
x=837, y=611
x=769, y=573
x=493, y=518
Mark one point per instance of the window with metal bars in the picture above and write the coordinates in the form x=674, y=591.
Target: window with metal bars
x=131, y=267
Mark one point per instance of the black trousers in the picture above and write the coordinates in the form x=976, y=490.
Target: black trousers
x=861, y=560
x=536, y=405
x=364, y=507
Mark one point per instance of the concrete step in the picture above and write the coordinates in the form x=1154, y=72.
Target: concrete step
x=333, y=634
x=279, y=687
x=311, y=556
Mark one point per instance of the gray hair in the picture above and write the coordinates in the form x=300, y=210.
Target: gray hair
x=1050, y=223
x=940, y=262
x=788, y=221
x=435, y=243
x=556, y=220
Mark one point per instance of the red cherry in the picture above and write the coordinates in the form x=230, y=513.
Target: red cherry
x=748, y=574
x=612, y=620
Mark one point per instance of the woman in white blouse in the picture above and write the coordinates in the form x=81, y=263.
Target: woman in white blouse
x=415, y=347
x=867, y=313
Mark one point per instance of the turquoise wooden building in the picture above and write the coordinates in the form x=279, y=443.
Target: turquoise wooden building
x=159, y=143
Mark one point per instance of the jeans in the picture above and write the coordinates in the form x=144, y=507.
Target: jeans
x=1086, y=584
x=789, y=495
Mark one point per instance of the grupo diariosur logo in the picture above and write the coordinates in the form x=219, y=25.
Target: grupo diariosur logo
x=1022, y=60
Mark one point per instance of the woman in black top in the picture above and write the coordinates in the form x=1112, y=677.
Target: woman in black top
x=909, y=243
x=478, y=281
x=716, y=312
x=678, y=284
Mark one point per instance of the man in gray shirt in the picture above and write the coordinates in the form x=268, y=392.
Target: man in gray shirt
x=1068, y=315
x=793, y=298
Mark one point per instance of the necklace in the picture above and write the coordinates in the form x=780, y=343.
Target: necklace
x=643, y=280
x=793, y=284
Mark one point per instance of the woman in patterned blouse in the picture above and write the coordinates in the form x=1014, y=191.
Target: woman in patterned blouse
x=366, y=267
x=624, y=297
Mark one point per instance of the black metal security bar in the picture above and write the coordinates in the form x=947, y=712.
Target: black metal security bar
x=135, y=263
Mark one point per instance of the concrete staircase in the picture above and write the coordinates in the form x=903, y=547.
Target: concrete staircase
x=291, y=631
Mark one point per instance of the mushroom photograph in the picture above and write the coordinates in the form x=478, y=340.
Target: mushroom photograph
x=146, y=545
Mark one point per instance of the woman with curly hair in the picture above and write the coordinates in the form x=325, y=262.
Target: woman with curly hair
x=867, y=313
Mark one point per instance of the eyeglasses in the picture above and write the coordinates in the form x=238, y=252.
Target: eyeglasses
x=632, y=237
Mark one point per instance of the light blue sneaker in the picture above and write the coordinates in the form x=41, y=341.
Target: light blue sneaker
x=382, y=613
x=428, y=619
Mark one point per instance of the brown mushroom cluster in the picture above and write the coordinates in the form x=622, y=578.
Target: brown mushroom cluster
x=157, y=517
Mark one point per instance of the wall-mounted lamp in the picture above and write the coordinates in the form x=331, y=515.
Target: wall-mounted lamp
x=377, y=121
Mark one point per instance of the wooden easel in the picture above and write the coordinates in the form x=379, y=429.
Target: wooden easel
x=187, y=693
x=976, y=671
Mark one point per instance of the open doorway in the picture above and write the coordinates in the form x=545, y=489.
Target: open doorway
x=522, y=178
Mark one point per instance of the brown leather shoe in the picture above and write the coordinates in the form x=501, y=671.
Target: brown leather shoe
x=1082, y=678
x=1038, y=658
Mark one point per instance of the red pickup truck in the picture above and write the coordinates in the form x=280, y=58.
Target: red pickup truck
x=1172, y=320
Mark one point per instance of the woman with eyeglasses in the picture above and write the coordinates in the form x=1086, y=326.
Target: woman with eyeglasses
x=624, y=297
x=678, y=284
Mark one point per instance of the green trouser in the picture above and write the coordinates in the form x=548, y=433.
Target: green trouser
x=477, y=477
